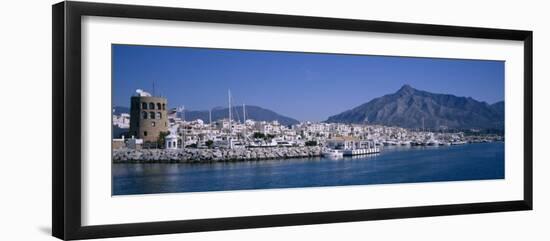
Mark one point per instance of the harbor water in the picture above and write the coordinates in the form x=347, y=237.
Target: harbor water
x=393, y=165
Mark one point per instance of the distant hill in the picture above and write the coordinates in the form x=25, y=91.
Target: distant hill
x=409, y=107
x=252, y=112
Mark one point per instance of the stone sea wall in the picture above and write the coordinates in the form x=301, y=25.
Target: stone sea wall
x=190, y=155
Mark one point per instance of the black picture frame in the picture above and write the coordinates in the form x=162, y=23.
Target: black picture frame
x=66, y=127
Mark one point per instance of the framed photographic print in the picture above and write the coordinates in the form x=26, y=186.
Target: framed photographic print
x=169, y=120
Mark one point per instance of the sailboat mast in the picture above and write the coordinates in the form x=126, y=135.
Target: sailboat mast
x=244, y=114
x=181, y=109
x=244, y=122
x=229, y=140
x=229, y=109
x=209, y=123
x=423, y=129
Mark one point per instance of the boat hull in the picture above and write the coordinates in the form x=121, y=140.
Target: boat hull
x=361, y=151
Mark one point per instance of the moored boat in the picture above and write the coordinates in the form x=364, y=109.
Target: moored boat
x=361, y=151
x=458, y=142
x=333, y=153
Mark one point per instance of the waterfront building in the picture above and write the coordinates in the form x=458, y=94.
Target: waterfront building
x=148, y=116
x=118, y=143
x=171, y=142
x=134, y=143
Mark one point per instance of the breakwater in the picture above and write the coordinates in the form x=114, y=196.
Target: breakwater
x=191, y=155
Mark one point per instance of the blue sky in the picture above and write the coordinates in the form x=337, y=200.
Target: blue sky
x=304, y=86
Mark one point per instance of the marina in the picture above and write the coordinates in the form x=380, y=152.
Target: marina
x=245, y=139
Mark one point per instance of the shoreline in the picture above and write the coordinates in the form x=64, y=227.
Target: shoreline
x=189, y=155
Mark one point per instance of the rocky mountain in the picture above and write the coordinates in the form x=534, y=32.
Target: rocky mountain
x=498, y=107
x=412, y=108
x=252, y=112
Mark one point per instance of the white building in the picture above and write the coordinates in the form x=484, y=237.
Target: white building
x=134, y=143
x=171, y=142
x=122, y=120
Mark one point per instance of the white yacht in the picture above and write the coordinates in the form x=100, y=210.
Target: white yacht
x=333, y=153
x=361, y=151
x=458, y=143
x=433, y=142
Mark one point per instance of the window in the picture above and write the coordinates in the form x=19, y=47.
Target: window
x=159, y=115
x=152, y=106
x=151, y=115
x=145, y=133
x=158, y=106
x=144, y=114
x=163, y=106
x=165, y=124
x=153, y=124
x=169, y=144
x=144, y=106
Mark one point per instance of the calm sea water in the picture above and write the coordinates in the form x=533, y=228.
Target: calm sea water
x=393, y=165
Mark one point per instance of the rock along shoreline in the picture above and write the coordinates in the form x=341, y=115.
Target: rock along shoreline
x=190, y=155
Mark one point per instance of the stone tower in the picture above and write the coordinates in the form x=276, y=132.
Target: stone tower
x=148, y=116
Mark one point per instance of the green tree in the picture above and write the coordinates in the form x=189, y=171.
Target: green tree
x=311, y=143
x=162, y=138
x=259, y=135
x=194, y=145
x=209, y=143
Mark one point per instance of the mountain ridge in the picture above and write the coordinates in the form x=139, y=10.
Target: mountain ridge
x=412, y=108
x=407, y=107
x=252, y=112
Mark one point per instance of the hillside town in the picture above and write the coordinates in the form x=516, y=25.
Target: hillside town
x=150, y=125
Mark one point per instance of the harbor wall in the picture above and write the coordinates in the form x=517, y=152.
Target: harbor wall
x=190, y=155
